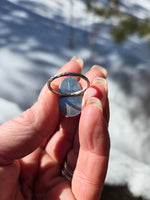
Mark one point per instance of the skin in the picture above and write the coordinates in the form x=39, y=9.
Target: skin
x=34, y=145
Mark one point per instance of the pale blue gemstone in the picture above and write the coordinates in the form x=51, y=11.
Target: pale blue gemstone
x=70, y=106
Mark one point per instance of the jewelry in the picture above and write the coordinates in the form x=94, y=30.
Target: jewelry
x=67, y=171
x=70, y=93
x=75, y=93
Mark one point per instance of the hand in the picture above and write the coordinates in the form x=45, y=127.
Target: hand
x=34, y=145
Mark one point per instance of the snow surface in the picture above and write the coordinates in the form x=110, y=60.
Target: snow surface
x=35, y=41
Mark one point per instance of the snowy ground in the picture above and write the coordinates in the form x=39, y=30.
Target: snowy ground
x=34, y=43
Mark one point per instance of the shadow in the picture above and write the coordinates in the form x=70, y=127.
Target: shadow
x=117, y=193
x=40, y=42
x=44, y=42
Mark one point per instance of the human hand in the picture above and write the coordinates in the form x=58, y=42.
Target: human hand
x=34, y=145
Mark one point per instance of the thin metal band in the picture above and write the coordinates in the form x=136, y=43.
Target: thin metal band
x=67, y=171
x=77, y=93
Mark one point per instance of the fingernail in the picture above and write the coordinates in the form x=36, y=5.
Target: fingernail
x=101, y=69
x=78, y=60
x=95, y=101
x=101, y=81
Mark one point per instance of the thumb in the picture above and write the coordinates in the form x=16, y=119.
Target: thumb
x=25, y=133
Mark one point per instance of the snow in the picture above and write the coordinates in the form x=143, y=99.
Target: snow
x=138, y=8
x=124, y=170
x=34, y=44
x=8, y=110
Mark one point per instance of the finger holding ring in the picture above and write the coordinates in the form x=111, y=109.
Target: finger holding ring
x=70, y=93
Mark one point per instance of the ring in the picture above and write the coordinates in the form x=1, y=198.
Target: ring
x=76, y=93
x=67, y=171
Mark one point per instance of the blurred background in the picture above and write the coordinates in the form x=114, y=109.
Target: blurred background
x=37, y=37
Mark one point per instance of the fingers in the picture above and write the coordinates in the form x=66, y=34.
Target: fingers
x=93, y=145
x=93, y=156
x=63, y=138
x=98, y=89
x=25, y=133
x=9, y=180
x=61, y=141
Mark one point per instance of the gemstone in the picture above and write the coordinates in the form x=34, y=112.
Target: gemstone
x=70, y=106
